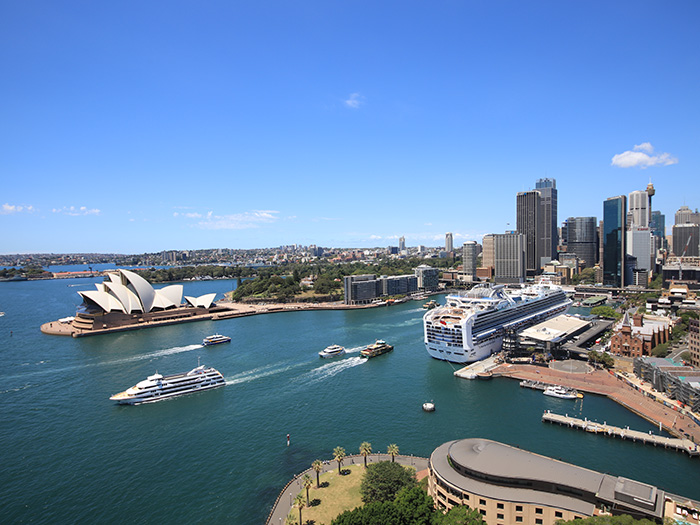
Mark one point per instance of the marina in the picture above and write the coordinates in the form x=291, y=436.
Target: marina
x=682, y=445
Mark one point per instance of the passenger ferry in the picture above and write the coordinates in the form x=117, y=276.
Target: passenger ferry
x=332, y=351
x=561, y=392
x=470, y=326
x=216, y=339
x=158, y=387
x=377, y=348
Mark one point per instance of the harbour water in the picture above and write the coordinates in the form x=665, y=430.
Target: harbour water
x=68, y=454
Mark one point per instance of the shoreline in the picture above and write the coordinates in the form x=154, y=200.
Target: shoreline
x=634, y=398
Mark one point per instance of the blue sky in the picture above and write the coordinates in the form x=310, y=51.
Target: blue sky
x=142, y=126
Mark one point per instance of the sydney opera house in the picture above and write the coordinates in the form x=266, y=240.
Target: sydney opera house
x=126, y=300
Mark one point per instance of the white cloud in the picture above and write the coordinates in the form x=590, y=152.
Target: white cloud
x=75, y=212
x=642, y=156
x=355, y=101
x=8, y=209
x=238, y=221
x=375, y=237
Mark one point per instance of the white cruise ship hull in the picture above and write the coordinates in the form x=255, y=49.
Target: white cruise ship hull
x=463, y=355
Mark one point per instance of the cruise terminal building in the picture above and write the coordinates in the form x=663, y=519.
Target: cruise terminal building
x=509, y=485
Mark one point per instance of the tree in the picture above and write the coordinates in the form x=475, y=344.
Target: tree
x=307, y=482
x=384, y=480
x=415, y=506
x=460, y=515
x=365, y=450
x=339, y=456
x=318, y=467
x=299, y=504
x=393, y=451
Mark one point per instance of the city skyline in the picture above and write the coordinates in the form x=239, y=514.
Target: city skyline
x=253, y=126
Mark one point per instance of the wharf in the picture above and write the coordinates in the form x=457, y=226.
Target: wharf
x=682, y=445
x=472, y=370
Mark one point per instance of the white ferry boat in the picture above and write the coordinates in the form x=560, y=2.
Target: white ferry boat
x=332, y=351
x=560, y=392
x=216, y=339
x=157, y=387
x=470, y=326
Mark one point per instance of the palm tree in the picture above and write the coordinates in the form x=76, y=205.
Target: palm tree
x=308, y=483
x=318, y=467
x=366, y=450
x=299, y=503
x=392, y=450
x=339, y=455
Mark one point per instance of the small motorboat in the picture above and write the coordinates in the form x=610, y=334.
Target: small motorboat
x=560, y=392
x=332, y=351
x=429, y=406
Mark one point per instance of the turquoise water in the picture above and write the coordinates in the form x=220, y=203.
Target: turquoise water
x=68, y=454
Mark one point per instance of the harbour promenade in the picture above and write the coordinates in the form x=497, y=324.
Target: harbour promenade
x=616, y=387
x=283, y=505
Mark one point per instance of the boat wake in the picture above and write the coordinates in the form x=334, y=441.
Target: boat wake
x=258, y=373
x=330, y=369
x=355, y=350
x=152, y=355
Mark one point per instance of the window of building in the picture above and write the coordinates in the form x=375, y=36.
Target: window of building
x=558, y=514
x=518, y=508
x=499, y=505
x=538, y=521
x=538, y=511
x=483, y=512
x=482, y=502
x=499, y=516
x=519, y=519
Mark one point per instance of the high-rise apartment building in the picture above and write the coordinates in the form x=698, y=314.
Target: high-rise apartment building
x=582, y=239
x=529, y=224
x=549, y=236
x=487, y=252
x=428, y=277
x=449, y=245
x=402, y=244
x=509, y=257
x=469, y=254
x=614, y=240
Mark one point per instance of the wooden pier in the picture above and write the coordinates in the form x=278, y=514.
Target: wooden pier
x=682, y=445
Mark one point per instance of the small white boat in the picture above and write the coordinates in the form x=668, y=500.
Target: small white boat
x=429, y=406
x=216, y=339
x=332, y=351
x=560, y=392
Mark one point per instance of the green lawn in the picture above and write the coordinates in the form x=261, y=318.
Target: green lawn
x=341, y=494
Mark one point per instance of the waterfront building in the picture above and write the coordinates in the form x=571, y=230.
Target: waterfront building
x=449, y=245
x=487, y=252
x=397, y=284
x=529, y=223
x=694, y=343
x=638, y=337
x=678, y=382
x=363, y=289
x=509, y=257
x=548, y=202
x=582, y=239
x=469, y=255
x=614, y=241
x=685, y=240
x=685, y=215
x=506, y=484
x=427, y=277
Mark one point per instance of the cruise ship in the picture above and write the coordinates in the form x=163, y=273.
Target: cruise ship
x=157, y=387
x=470, y=326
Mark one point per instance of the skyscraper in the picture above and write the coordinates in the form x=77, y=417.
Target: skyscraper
x=449, y=246
x=402, y=244
x=685, y=215
x=548, y=202
x=658, y=228
x=614, y=240
x=529, y=223
x=469, y=255
x=487, y=251
x=582, y=233
x=685, y=240
x=509, y=252
x=639, y=212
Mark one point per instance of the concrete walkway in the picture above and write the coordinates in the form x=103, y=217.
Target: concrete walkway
x=283, y=506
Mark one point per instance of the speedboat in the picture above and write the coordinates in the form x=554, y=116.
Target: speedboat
x=429, y=406
x=216, y=339
x=332, y=351
x=157, y=387
x=560, y=392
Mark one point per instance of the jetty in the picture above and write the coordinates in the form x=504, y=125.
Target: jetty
x=483, y=367
x=682, y=445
